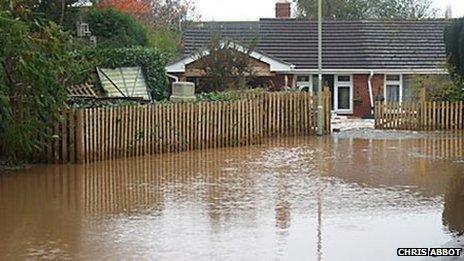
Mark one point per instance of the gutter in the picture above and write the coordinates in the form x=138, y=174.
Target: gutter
x=365, y=71
x=175, y=78
x=371, y=95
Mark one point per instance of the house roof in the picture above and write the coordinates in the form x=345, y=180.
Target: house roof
x=364, y=44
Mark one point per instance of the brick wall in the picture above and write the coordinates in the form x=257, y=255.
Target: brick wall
x=361, y=102
x=277, y=81
x=377, y=84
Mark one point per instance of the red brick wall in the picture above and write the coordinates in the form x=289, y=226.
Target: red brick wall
x=377, y=84
x=277, y=81
x=361, y=103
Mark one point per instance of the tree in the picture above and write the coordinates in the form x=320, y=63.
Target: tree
x=406, y=9
x=162, y=20
x=154, y=13
x=136, y=8
x=454, y=40
x=227, y=65
x=334, y=9
x=116, y=29
x=366, y=9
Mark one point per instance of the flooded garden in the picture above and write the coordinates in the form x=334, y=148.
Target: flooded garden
x=356, y=195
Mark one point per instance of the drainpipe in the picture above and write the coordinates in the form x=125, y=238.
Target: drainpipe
x=175, y=78
x=371, y=95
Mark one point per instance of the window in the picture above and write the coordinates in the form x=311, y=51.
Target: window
x=344, y=78
x=393, y=88
x=302, y=78
x=343, y=94
x=304, y=83
x=393, y=77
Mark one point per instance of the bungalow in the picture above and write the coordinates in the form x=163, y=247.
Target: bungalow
x=362, y=60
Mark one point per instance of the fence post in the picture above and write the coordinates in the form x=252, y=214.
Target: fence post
x=80, y=136
x=327, y=110
x=422, y=113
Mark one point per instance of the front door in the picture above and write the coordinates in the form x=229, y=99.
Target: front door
x=343, y=94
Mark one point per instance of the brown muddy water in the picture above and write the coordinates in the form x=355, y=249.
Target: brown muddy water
x=332, y=198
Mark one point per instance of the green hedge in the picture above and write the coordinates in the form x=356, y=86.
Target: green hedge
x=115, y=29
x=151, y=60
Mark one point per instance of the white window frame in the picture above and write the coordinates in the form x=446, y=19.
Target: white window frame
x=308, y=83
x=336, y=86
x=400, y=83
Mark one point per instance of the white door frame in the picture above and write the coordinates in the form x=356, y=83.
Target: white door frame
x=336, y=86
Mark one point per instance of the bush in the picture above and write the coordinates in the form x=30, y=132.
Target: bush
x=35, y=68
x=115, y=29
x=151, y=60
x=219, y=96
x=439, y=87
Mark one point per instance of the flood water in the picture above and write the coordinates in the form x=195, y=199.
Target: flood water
x=304, y=198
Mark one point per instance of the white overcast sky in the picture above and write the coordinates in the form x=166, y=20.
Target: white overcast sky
x=250, y=10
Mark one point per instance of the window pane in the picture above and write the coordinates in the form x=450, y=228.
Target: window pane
x=393, y=93
x=344, y=97
x=393, y=78
x=307, y=89
x=344, y=78
x=302, y=78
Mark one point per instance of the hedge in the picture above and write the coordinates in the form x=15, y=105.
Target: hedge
x=151, y=60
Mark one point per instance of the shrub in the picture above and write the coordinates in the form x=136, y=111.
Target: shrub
x=219, y=96
x=35, y=67
x=115, y=29
x=439, y=87
x=151, y=60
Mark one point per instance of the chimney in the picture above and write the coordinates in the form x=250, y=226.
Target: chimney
x=283, y=9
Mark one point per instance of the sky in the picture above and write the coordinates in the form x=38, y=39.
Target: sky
x=251, y=10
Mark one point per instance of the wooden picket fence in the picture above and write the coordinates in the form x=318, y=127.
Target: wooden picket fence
x=423, y=115
x=97, y=134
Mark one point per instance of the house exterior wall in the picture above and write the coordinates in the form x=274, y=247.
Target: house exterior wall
x=377, y=85
x=361, y=103
x=275, y=82
x=279, y=81
x=259, y=68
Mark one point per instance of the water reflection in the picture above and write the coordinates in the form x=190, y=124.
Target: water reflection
x=453, y=213
x=293, y=198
